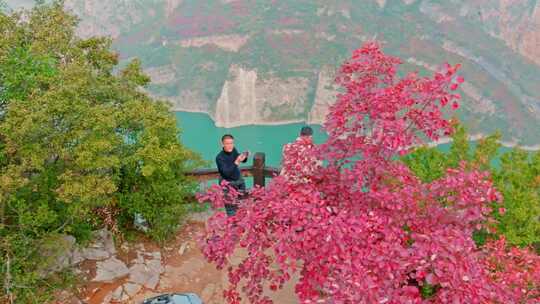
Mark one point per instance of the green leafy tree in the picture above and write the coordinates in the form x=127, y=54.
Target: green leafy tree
x=516, y=175
x=76, y=137
x=519, y=181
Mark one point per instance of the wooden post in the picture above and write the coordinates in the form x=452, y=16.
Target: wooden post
x=258, y=169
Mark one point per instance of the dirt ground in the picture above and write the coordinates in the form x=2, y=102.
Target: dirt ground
x=186, y=270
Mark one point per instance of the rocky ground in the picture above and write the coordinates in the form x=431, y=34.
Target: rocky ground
x=130, y=273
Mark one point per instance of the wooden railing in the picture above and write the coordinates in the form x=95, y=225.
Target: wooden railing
x=258, y=170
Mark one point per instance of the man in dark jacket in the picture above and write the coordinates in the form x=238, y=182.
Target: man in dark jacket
x=227, y=161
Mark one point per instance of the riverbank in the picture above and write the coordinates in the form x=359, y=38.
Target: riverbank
x=479, y=136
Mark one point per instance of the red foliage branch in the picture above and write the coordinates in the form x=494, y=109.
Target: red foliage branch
x=362, y=228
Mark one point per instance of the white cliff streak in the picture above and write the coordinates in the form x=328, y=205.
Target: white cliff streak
x=325, y=96
x=162, y=74
x=381, y=3
x=237, y=103
x=230, y=43
x=247, y=99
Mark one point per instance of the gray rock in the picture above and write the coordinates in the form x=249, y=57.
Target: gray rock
x=144, y=275
x=147, y=269
x=125, y=292
x=95, y=254
x=140, y=258
x=118, y=294
x=56, y=254
x=152, y=282
x=76, y=256
x=156, y=255
x=69, y=239
x=64, y=247
x=106, y=240
x=62, y=251
x=155, y=266
x=132, y=289
x=101, y=248
x=110, y=269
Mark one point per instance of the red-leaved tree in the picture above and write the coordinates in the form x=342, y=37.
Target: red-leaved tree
x=361, y=228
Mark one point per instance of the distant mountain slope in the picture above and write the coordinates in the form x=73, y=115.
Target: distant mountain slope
x=275, y=59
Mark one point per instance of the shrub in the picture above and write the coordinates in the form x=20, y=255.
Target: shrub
x=516, y=174
x=78, y=142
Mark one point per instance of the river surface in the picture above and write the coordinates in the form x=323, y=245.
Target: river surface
x=201, y=135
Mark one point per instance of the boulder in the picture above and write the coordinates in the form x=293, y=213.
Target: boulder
x=143, y=275
x=101, y=248
x=110, y=270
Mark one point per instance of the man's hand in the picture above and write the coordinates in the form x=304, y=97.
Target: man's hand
x=240, y=159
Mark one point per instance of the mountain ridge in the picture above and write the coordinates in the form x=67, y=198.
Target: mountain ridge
x=194, y=51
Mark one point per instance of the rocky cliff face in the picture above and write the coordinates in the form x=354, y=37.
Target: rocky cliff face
x=325, y=95
x=516, y=22
x=237, y=104
x=102, y=18
x=230, y=43
x=248, y=99
x=253, y=62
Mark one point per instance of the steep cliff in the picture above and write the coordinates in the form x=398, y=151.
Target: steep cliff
x=237, y=104
x=325, y=95
x=248, y=99
x=516, y=22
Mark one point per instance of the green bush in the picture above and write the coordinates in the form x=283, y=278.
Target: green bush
x=77, y=137
x=516, y=174
x=518, y=179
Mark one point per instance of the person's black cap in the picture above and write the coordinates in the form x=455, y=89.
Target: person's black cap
x=306, y=131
